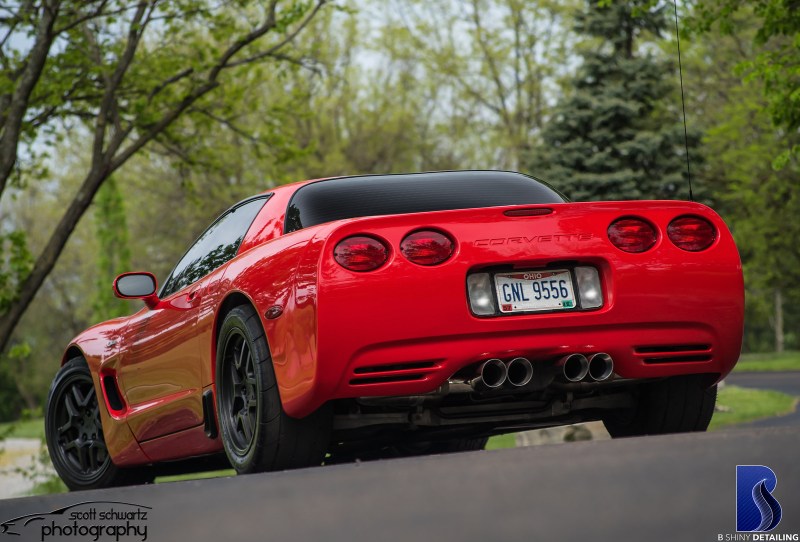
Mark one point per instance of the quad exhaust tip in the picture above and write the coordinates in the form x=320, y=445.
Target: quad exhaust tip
x=493, y=373
x=574, y=367
x=601, y=367
x=519, y=372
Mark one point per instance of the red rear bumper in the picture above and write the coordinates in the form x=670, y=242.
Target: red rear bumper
x=405, y=329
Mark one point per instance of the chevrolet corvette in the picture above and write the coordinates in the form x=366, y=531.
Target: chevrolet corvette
x=392, y=315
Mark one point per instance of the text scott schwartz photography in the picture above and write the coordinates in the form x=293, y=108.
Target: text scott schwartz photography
x=94, y=520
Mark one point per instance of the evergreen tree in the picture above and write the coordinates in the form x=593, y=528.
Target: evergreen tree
x=610, y=136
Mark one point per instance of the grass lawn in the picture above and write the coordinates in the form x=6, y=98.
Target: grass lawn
x=502, y=441
x=33, y=428
x=196, y=476
x=785, y=361
x=747, y=405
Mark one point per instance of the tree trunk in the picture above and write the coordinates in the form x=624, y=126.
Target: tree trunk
x=779, y=338
x=49, y=256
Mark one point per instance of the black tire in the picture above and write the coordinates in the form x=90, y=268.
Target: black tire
x=74, y=434
x=256, y=433
x=678, y=404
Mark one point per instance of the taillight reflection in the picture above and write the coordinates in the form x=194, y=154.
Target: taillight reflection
x=632, y=235
x=361, y=253
x=427, y=247
x=691, y=233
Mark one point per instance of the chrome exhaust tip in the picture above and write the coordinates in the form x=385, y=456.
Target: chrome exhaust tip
x=574, y=367
x=601, y=367
x=492, y=373
x=519, y=372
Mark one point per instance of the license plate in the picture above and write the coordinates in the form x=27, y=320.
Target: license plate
x=535, y=291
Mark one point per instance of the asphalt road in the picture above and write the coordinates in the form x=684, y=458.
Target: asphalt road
x=675, y=487
x=786, y=382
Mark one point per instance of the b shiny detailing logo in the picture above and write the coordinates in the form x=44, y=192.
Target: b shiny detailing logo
x=756, y=509
x=95, y=521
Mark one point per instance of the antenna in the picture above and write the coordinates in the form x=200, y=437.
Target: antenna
x=683, y=102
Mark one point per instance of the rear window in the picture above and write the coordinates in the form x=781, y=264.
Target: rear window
x=374, y=195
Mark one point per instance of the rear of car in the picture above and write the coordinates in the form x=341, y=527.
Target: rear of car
x=423, y=279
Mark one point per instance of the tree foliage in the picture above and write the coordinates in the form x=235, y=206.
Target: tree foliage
x=124, y=72
x=494, y=66
x=610, y=137
x=776, y=59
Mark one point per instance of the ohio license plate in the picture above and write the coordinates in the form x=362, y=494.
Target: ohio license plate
x=524, y=291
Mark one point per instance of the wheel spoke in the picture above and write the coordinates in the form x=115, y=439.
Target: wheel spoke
x=251, y=390
x=64, y=428
x=87, y=400
x=72, y=410
x=91, y=452
x=246, y=427
x=236, y=378
x=81, y=455
x=245, y=353
x=78, y=396
x=238, y=356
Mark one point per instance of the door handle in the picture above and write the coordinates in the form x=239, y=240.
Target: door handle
x=194, y=297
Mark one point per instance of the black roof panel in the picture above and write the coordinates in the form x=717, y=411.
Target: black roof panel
x=375, y=195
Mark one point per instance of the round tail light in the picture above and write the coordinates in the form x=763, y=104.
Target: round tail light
x=632, y=235
x=427, y=247
x=691, y=233
x=361, y=253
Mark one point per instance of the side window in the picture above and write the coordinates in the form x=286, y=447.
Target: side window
x=216, y=245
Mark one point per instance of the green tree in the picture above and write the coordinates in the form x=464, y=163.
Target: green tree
x=613, y=136
x=493, y=64
x=776, y=62
x=124, y=72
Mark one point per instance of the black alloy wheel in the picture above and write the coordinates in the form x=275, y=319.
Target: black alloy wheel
x=74, y=433
x=256, y=433
x=80, y=441
x=238, y=392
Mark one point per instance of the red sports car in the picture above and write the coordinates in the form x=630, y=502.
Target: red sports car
x=389, y=315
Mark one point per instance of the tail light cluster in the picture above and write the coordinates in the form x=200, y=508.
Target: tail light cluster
x=690, y=233
x=422, y=247
x=632, y=235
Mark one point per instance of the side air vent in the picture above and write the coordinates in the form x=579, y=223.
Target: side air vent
x=674, y=353
x=112, y=393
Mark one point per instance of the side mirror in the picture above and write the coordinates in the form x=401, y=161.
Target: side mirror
x=138, y=285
